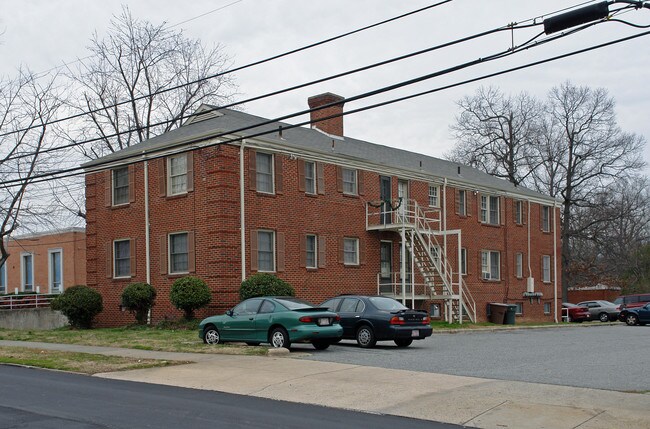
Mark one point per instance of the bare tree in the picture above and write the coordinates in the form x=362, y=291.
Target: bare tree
x=26, y=105
x=496, y=133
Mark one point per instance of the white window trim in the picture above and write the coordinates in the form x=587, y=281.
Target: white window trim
x=544, y=271
x=115, y=276
x=50, y=274
x=437, y=202
x=519, y=305
x=355, y=182
x=519, y=212
x=113, y=203
x=312, y=191
x=546, y=226
x=272, y=157
x=22, y=272
x=519, y=265
x=489, y=266
x=3, y=279
x=169, y=252
x=169, y=174
x=488, y=217
x=462, y=208
x=549, y=308
x=311, y=267
x=356, y=252
x=463, y=268
x=273, y=250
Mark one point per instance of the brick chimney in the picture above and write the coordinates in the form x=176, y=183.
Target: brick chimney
x=333, y=126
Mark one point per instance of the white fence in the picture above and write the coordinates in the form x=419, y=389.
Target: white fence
x=19, y=301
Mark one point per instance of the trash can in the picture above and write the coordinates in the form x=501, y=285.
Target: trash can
x=510, y=314
x=498, y=313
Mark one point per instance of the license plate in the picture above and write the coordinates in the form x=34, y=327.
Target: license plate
x=415, y=333
x=324, y=321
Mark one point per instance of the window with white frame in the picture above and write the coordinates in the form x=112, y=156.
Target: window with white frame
x=462, y=202
x=546, y=219
x=546, y=268
x=519, y=265
x=120, y=186
x=178, y=253
x=177, y=174
x=264, y=172
x=519, y=212
x=55, y=270
x=351, y=251
x=490, y=265
x=310, y=251
x=3, y=278
x=547, y=308
x=435, y=252
x=350, y=184
x=490, y=209
x=266, y=251
x=310, y=177
x=121, y=258
x=434, y=196
x=27, y=271
x=520, y=308
x=463, y=261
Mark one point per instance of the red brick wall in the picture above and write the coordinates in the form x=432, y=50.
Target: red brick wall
x=212, y=212
x=575, y=296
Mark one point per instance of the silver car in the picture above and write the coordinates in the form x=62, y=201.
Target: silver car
x=601, y=310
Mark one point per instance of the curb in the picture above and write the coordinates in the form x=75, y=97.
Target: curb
x=517, y=328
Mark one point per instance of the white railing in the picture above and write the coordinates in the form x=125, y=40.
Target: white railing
x=17, y=301
x=393, y=286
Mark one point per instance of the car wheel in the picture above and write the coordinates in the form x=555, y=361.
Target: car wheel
x=603, y=317
x=320, y=344
x=365, y=337
x=631, y=319
x=403, y=342
x=251, y=343
x=211, y=335
x=279, y=338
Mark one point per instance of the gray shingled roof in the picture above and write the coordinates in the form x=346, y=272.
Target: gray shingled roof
x=314, y=141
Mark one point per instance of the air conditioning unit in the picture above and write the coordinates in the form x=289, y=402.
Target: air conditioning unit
x=530, y=285
x=486, y=276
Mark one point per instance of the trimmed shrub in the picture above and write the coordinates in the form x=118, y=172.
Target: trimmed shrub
x=80, y=304
x=189, y=294
x=263, y=284
x=138, y=298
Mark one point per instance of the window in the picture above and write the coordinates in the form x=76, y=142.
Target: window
x=55, y=270
x=519, y=265
x=520, y=308
x=547, y=308
x=178, y=253
x=310, y=250
x=546, y=219
x=310, y=177
x=247, y=307
x=463, y=261
x=121, y=258
x=546, y=269
x=264, y=172
x=267, y=307
x=519, y=212
x=27, y=271
x=462, y=202
x=121, y=186
x=3, y=278
x=177, y=174
x=349, y=181
x=434, y=196
x=265, y=251
x=435, y=252
x=490, y=265
x=490, y=209
x=351, y=251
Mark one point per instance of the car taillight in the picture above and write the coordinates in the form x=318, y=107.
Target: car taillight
x=337, y=318
x=306, y=319
x=426, y=320
x=397, y=320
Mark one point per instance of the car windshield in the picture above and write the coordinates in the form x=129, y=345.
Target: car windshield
x=387, y=304
x=294, y=303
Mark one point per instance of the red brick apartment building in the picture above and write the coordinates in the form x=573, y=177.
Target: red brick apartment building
x=46, y=262
x=327, y=213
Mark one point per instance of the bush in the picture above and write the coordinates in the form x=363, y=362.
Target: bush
x=189, y=294
x=80, y=304
x=264, y=285
x=138, y=298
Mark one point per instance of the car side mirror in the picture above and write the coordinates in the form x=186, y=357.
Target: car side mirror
x=229, y=313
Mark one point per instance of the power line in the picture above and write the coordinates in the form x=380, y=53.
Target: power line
x=236, y=69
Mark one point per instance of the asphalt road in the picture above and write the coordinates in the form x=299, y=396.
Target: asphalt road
x=612, y=357
x=41, y=399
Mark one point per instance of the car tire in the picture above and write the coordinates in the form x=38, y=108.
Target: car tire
x=405, y=342
x=603, y=317
x=279, y=338
x=631, y=319
x=320, y=344
x=366, y=337
x=211, y=335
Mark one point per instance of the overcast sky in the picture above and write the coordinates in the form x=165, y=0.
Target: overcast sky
x=44, y=34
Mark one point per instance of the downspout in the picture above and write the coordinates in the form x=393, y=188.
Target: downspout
x=147, y=250
x=530, y=272
x=242, y=212
x=555, y=232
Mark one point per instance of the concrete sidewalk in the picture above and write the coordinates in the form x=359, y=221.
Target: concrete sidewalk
x=474, y=402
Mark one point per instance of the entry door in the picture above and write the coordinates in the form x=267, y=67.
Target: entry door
x=385, y=196
x=386, y=267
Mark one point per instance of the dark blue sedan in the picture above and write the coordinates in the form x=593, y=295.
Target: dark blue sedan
x=636, y=316
x=369, y=319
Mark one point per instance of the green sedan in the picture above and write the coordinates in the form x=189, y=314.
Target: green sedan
x=279, y=321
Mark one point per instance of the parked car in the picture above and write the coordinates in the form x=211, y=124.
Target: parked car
x=601, y=310
x=632, y=301
x=276, y=320
x=575, y=313
x=369, y=319
x=636, y=316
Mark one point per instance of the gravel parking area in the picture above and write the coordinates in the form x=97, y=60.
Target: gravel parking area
x=612, y=357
